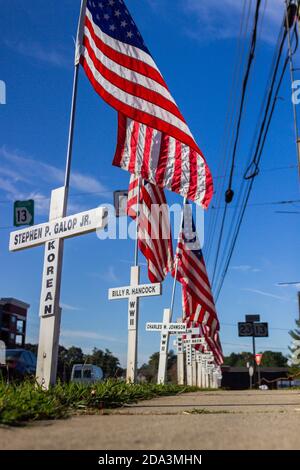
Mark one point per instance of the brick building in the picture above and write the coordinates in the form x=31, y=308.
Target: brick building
x=13, y=316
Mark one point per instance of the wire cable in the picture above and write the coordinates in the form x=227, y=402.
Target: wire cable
x=229, y=192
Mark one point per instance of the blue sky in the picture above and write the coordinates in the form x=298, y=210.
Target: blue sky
x=194, y=45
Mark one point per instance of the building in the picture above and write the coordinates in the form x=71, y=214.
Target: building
x=13, y=317
x=237, y=378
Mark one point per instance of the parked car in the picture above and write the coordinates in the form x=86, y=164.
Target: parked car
x=86, y=373
x=20, y=363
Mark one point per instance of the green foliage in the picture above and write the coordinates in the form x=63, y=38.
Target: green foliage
x=27, y=402
x=67, y=357
x=106, y=360
x=149, y=371
x=269, y=359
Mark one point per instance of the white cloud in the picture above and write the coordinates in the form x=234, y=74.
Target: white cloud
x=245, y=268
x=217, y=19
x=266, y=294
x=88, y=335
x=54, y=57
x=108, y=276
x=29, y=169
x=69, y=307
x=18, y=174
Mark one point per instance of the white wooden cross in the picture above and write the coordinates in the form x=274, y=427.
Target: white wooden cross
x=133, y=293
x=2, y=353
x=52, y=235
x=182, y=348
x=190, y=344
x=166, y=328
x=204, y=359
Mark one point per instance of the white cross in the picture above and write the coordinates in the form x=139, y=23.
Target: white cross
x=2, y=353
x=52, y=235
x=166, y=328
x=133, y=293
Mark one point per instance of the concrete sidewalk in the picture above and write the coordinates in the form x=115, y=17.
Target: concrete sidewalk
x=202, y=420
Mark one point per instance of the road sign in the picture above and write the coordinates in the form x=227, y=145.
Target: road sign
x=171, y=327
x=65, y=227
x=258, y=358
x=252, y=318
x=259, y=330
x=120, y=202
x=24, y=213
x=142, y=290
x=194, y=341
x=251, y=371
x=245, y=329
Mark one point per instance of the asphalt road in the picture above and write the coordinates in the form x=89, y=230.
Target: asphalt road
x=202, y=420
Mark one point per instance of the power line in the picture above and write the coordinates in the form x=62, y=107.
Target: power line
x=229, y=192
x=230, y=115
x=256, y=160
x=247, y=346
x=264, y=170
x=258, y=153
x=270, y=328
x=271, y=203
x=235, y=216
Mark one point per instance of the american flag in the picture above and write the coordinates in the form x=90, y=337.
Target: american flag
x=154, y=231
x=197, y=299
x=154, y=140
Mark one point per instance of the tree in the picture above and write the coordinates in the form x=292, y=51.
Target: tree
x=238, y=359
x=269, y=359
x=150, y=370
x=31, y=347
x=67, y=357
x=274, y=359
x=107, y=361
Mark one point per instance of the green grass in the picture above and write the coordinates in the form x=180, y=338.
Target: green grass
x=28, y=402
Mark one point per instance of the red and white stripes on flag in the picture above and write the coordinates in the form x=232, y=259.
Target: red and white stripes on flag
x=197, y=299
x=154, y=140
x=154, y=232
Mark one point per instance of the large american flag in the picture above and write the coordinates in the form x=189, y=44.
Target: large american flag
x=197, y=299
x=154, y=140
x=154, y=231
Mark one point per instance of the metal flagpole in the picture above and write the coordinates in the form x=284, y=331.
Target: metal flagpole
x=136, y=249
x=74, y=101
x=176, y=260
x=292, y=81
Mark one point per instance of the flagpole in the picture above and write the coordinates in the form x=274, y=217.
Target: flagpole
x=176, y=260
x=73, y=104
x=292, y=81
x=136, y=249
